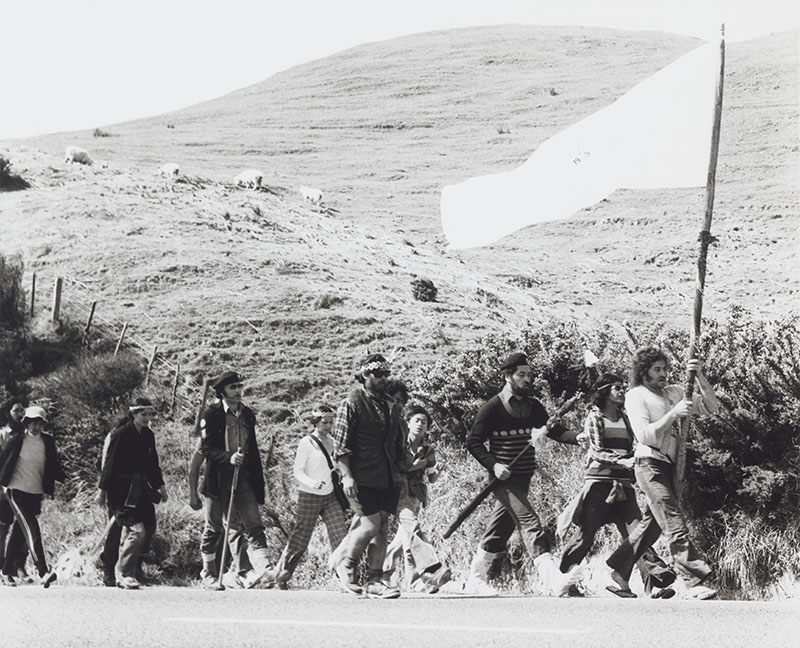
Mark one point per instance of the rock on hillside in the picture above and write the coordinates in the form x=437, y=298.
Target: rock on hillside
x=292, y=292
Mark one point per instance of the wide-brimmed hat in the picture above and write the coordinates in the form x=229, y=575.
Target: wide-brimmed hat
x=34, y=412
x=227, y=378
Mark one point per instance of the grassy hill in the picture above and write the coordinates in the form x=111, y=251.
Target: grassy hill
x=292, y=293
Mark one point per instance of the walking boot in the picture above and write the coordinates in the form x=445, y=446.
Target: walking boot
x=346, y=572
x=553, y=581
x=478, y=579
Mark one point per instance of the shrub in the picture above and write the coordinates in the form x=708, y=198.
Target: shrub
x=327, y=300
x=95, y=383
x=13, y=323
x=424, y=290
x=10, y=181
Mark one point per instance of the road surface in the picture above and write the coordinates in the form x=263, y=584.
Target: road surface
x=165, y=616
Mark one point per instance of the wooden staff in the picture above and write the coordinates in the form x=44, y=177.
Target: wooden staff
x=705, y=234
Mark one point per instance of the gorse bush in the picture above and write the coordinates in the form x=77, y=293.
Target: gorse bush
x=13, y=323
x=424, y=290
x=10, y=181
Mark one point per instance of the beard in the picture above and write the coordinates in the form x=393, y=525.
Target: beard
x=520, y=390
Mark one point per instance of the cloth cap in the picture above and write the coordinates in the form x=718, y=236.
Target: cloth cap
x=34, y=412
x=227, y=378
x=513, y=361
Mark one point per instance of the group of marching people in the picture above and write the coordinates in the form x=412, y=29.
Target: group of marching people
x=370, y=460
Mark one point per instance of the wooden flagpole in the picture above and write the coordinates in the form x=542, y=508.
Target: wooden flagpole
x=705, y=233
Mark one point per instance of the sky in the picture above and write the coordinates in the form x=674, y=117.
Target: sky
x=81, y=64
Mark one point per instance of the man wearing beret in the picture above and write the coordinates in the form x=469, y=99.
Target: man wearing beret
x=510, y=421
x=228, y=440
x=368, y=444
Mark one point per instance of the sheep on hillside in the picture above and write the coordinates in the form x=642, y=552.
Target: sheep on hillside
x=249, y=178
x=77, y=154
x=311, y=194
x=169, y=170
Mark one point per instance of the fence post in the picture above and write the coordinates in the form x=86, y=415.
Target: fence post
x=150, y=365
x=57, y=298
x=85, y=338
x=33, y=292
x=175, y=387
x=121, y=337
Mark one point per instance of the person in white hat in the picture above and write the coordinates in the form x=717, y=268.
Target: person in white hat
x=29, y=468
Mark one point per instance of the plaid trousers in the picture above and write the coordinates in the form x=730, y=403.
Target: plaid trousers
x=309, y=508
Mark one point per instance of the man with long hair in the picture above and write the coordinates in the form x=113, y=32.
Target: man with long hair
x=659, y=415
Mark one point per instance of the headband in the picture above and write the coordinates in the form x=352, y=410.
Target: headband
x=376, y=365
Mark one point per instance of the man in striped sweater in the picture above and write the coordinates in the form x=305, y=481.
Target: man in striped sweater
x=511, y=422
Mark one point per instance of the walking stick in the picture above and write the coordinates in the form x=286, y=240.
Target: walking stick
x=227, y=528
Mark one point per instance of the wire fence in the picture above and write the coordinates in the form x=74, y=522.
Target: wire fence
x=76, y=301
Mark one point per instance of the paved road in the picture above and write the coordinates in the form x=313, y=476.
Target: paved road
x=64, y=617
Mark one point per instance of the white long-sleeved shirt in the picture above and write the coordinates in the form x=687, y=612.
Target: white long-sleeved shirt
x=645, y=407
x=310, y=466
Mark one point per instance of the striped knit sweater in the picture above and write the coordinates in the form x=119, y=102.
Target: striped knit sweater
x=507, y=435
x=609, y=441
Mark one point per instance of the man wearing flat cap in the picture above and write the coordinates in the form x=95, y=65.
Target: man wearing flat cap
x=29, y=468
x=228, y=439
x=368, y=444
x=510, y=421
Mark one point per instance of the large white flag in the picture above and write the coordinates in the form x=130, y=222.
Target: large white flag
x=658, y=134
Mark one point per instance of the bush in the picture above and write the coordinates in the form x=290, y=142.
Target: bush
x=13, y=323
x=424, y=290
x=9, y=181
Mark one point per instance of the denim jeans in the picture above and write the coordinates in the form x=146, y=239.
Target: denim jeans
x=513, y=509
x=657, y=481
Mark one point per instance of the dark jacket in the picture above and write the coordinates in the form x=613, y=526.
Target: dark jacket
x=52, y=465
x=219, y=470
x=131, y=474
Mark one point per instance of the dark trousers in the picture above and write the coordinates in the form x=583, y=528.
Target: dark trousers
x=26, y=508
x=657, y=481
x=514, y=510
x=6, y=522
x=596, y=512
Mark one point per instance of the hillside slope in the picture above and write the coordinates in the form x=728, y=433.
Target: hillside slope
x=291, y=293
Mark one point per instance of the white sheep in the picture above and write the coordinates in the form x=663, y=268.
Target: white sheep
x=169, y=170
x=77, y=154
x=311, y=194
x=249, y=178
